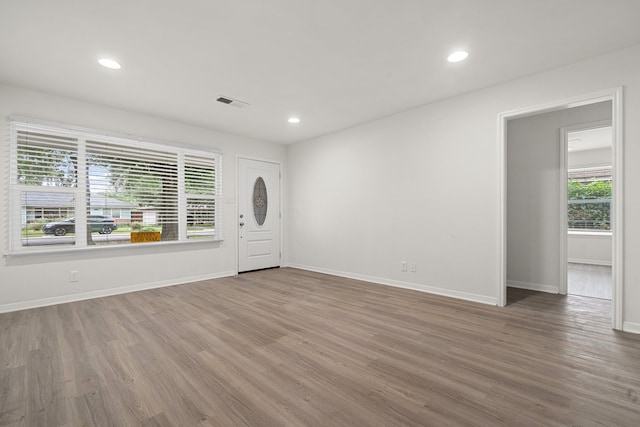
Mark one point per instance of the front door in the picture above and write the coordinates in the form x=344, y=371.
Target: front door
x=258, y=214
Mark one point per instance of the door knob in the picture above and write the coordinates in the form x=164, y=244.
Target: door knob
x=241, y=224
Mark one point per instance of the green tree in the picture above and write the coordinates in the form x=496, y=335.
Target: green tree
x=585, y=214
x=593, y=190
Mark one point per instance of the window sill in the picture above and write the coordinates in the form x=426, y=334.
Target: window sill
x=597, y=234
x=116, y=250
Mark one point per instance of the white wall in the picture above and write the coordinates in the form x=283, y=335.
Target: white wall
x=422, y=186
x=36, y=280
x=589, y=158
x=533, y=194
x=589, y=248
x=413, y=187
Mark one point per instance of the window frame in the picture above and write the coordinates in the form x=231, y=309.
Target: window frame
x=609, y=178
x=15, y=189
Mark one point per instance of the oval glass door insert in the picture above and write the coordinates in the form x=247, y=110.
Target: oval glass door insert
x=260, y=201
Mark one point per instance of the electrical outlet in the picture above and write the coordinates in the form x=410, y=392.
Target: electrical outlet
x=412, y=268
x=73, y=276
x=403, y=265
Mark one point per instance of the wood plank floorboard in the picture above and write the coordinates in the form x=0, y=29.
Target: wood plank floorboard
x=288, y=347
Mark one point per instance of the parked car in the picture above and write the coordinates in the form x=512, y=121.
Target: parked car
x=103, y=224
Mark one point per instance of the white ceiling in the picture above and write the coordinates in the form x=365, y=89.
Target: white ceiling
x=333, y=63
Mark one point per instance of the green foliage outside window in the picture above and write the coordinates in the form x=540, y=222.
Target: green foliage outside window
x=589, y=205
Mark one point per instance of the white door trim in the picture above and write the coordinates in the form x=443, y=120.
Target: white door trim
x=564, y=168
x=617, y=202
x=236, y=226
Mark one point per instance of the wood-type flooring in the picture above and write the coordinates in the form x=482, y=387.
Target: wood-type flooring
x=287, y=347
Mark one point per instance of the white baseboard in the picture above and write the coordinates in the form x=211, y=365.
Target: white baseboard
x=24, y=305
x=633, y=328
x=533, y=287
x=400, y=284
x=590, y=261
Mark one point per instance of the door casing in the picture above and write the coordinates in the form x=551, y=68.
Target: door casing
x=615, y=95
x=564, y=168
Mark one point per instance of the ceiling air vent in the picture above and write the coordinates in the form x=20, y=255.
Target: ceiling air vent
x=233, y=102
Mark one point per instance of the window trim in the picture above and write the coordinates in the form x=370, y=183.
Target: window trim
x=576, y=232
x=14, y=246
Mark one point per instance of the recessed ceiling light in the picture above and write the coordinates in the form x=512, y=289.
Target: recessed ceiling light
x=458, y=56
x=293, y=120
x=109, y=63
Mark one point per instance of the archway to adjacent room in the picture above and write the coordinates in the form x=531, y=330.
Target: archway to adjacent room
x=586, y=186
x=614, y=96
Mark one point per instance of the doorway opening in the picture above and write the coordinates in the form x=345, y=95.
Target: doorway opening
x=614, y=99
x=587, y=176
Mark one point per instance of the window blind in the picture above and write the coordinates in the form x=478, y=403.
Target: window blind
x=82, y=188
x=201, y=187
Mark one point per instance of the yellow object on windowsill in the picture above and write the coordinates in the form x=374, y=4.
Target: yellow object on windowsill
x=145, y=236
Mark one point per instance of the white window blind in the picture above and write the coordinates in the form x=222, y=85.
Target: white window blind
x=144, y=179
x=46, y=160
x=45, y=181
x=201, y=188
x=84, y=189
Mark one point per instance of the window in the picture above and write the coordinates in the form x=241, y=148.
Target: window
x=75, y=188
x=260, y=201
x=589, y=198
x=199, y=180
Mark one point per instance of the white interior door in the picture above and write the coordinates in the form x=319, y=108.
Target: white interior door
x=259, y=215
